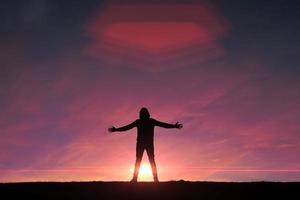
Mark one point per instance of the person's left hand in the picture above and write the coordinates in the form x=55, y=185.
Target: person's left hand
x=178, y=125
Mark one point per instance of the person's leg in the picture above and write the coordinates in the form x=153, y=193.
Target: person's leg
x=139, y=155
x=150, y=152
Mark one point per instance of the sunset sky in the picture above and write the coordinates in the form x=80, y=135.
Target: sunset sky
x=227, y=70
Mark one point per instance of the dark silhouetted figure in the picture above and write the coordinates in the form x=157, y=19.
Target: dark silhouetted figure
x=145, y=131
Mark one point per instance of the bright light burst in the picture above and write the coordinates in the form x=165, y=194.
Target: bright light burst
x=145, y=173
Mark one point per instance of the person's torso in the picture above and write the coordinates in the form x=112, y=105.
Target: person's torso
x=145, y=130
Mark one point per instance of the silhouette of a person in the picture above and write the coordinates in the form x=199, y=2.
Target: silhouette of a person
x=145, y=131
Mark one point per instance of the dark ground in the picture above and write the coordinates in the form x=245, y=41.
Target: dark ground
x=143, y=191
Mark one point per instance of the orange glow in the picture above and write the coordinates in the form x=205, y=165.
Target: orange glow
x=145, y=173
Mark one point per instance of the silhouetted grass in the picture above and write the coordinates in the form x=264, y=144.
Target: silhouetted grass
x=149, y=190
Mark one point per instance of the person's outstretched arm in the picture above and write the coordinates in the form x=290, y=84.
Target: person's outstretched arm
x=123, y=128
x=167, y=125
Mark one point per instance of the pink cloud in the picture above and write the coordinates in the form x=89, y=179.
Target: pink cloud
x=155, y=37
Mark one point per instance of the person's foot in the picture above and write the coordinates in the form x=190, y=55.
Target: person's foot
x=156, y=180
x=133, y=180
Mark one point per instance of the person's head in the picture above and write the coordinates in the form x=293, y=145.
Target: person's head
x=144, y=113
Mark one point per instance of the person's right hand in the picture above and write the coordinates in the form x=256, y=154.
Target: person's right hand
x=112, y=129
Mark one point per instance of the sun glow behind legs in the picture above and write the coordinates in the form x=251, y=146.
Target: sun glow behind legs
x=145, y=173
